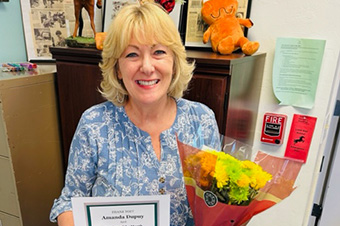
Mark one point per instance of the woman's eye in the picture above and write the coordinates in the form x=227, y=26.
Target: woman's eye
x=159, y=52
x=131, y=55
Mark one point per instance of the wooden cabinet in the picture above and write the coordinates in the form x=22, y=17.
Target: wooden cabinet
x=229, y=85
x=78, y=79
x=31, y=167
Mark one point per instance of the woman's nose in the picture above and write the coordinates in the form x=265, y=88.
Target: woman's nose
x=147, y=66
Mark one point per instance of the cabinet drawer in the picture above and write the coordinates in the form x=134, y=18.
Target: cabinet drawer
x=8, y=196
x=3, y=137
x=8, y=220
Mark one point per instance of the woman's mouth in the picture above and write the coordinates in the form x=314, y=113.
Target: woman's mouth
x=148, y=82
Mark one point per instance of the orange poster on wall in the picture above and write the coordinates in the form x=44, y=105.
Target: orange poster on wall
x=300, y=137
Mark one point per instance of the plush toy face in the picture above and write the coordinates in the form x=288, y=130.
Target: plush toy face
x=225, y=29
x=214, y=10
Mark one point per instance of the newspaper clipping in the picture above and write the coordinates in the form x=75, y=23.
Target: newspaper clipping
x=195, y=25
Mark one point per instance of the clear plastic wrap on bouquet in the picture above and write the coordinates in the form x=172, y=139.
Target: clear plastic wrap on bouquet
x=207, y=206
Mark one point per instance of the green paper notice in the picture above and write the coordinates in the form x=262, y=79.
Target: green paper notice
x=296, y=70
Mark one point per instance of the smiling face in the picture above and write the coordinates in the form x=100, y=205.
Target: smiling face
x=146, y=71
x=214, y=10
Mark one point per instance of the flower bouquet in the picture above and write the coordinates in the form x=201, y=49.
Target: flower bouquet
x=224, y=190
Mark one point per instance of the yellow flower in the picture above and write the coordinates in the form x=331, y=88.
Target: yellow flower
x=259, y=177
x=248, y=164
x=244, y=181
x=221, y=176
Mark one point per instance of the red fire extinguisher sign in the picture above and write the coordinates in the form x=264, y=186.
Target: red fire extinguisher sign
x=273, y=128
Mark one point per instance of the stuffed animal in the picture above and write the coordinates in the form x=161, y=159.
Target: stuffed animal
x=225, y=30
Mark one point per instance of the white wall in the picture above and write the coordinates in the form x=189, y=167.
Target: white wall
x=312, y=19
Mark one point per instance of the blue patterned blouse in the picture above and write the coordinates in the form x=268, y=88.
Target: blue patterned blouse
x=110, y=156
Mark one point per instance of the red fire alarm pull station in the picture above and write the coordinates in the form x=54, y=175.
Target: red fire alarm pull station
x=273, y=128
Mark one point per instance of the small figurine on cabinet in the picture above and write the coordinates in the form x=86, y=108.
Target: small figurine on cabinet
x=89, y=6
x=225, y=29
x=78, y=40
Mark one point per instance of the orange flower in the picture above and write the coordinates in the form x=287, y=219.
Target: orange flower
x=202, y=167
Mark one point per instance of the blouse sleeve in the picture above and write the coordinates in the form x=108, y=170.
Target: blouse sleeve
x=81, y=169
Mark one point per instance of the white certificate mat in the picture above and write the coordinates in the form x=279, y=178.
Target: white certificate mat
x=122, y=211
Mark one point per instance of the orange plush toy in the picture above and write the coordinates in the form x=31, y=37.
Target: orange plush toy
x=225, y=31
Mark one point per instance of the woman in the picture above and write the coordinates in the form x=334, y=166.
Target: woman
x=127, y=145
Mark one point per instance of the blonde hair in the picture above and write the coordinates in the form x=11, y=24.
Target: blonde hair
x=148, y=22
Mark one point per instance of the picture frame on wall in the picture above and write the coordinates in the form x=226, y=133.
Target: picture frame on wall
x=44, y=24
x=48, y=23
x=193, y=27
x=111, y=9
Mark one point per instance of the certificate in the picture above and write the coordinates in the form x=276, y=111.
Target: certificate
x=121, y=211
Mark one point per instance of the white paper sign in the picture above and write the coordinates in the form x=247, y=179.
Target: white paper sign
x=122, y=211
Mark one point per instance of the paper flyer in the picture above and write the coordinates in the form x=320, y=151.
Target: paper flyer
x=300, y=137
x=296, y=69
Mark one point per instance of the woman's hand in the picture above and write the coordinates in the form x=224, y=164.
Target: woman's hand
x=65, y=219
